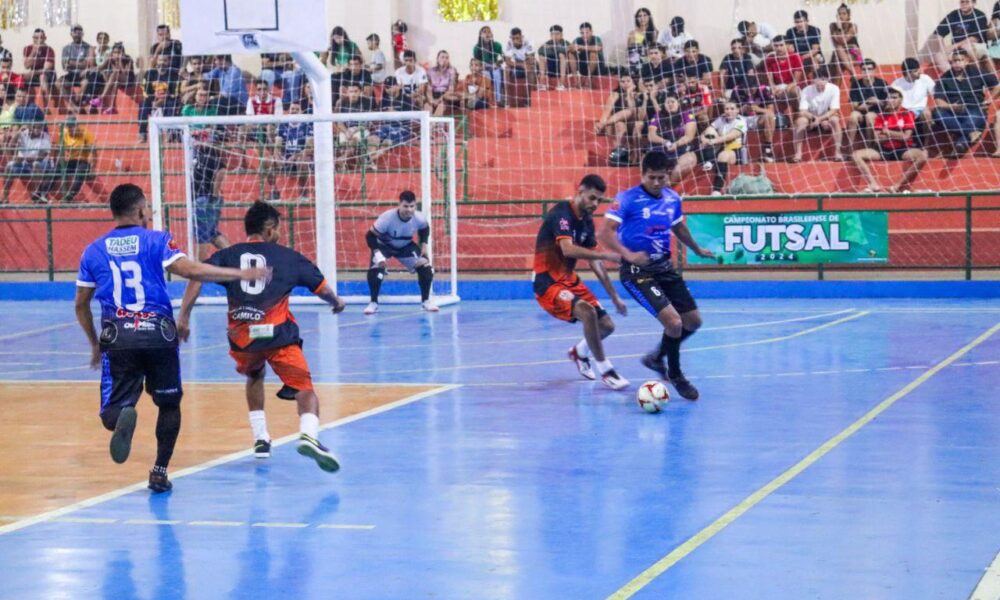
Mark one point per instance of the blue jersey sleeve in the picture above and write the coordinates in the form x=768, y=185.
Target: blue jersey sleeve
x=170, y=252
x=616, y=212
x=85, y=276
x=679, y=212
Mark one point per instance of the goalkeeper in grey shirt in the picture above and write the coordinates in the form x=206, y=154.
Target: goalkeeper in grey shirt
x=392, y=237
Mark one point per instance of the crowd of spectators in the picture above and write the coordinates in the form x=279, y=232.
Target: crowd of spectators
x=668, y=95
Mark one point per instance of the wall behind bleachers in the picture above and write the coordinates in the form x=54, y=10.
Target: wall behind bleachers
x=882, y=23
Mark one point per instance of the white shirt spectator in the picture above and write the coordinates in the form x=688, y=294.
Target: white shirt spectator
x=674, y=45
x=33, y=147
x=765, y=33
x=411, y=81
x=378, y=58
x=724, y=127
x=816, y=102
x=915, y=93
x=519, y=54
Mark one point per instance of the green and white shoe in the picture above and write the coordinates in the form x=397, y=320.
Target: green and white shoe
x=309, y=446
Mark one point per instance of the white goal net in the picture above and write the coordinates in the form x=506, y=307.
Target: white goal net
x=330, y=176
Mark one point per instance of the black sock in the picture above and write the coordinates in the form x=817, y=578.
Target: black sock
x=673, y=352
x=721, y=173
x=375, y=277
x=425, y=276
x=168, y=425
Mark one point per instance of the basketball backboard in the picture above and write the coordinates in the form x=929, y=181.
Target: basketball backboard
x=253, y=26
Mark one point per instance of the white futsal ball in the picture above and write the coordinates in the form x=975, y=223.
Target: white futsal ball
x=651, y=396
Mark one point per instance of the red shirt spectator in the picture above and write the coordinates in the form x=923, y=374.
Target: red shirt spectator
x=782, y=68
x=901, y=120
x=36, y=57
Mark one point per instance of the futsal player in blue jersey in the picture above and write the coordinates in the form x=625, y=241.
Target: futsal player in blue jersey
x=138, y=341
x=638, y=226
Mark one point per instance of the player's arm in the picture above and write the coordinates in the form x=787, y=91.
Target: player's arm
x=602, y=275
x=571, y=250
x=191, y=293
x=423, y=234
x=326, y=293
x=86, y=319
x=607, y=235
x=372, y=238
x=198, y=271
x=684, y=235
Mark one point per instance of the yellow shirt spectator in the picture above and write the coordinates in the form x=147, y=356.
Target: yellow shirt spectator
x=78, y=145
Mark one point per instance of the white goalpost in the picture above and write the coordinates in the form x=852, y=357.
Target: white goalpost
x=337, y=192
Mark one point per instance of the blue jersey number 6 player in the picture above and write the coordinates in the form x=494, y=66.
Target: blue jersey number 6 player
x=638, y=226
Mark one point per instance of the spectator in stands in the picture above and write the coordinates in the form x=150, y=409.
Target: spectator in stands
x=969, y=30
x=784, y=74
x=79, y=155
x=289, y=75
x=413, y=78
x=25, y=110
x=376, y=62
x=819, y=110
x=805, y=39
x=640, y=39
x=166, y=46
x=895, y=134
x=394, y=133
x=165, y=102
x=756, y=103
x=559, y=61
x=648, y=103
x=269, y=69
x=119, y=74
x=735, y=68
x=233, y=94
x=32, y=162
x=399, y=46
x=192, y=79
x=618, y=111
x=695, y=62
x=757, y=39
x=589, y=52
x=10, y=81
x=844, y=35
x=40, y=66
x=674, y=38
x=490, y=53
x=75, y=63
x=672, y=131
x=340, y=51
x=263, y=102
x=100, y=52
x=695, y=96
x=356, y=74
x=917, y=89
x=442, y=82
x=355, y=134
x=519, y=58
x=477, y=92
x=657, y=70
x=868, y=96
x=294, y=144
x=4, y=52
x=728, y=143
x=959, y=99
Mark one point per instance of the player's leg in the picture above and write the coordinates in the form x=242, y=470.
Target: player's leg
x=290, y=365
x=121, y=386
x=410, y=258
x=861, y=159
x=721, y=171
x=651, y=296
x=686, y=311
x=588, y=312
x=799, y=135
x=916, y=159
x=837, y=129
x=163, y=382
x=251, y=364
x=376, y=275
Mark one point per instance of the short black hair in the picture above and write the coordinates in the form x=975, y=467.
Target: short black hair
x=258, y=216
x=655, y=161
x=743, y=27
x=163, y=26
x=823, y=72
x=373, y=38
x=778, y=39
x=801, y=14
x=407, y=196
x=124, y=199
x=354, y=57
x=515, y=31
x=895, y=91
x=389, y=81
x=586, y=25
x=555, y=28
x=409, y=54
x=594, y=182
x=869, y=63
x=911, y=64
x=691, y=44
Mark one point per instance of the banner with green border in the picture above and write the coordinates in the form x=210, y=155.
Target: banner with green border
x=791, y=238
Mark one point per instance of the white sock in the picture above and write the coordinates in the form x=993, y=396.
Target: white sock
x=582, y=349
x=309, y=425
x=258, y=424
x=603, y=366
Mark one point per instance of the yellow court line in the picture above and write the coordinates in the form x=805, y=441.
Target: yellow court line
x=689, y=546
x=560, y=361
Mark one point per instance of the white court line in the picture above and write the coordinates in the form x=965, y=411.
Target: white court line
x=96, y=520
x=153, y=522
x=15, y=335
x=217, y=523
x=76, y=506
x=772, y=340
x=989, y=586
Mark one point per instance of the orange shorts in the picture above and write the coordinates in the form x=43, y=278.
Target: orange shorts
x=288, y=363
x=559, y=298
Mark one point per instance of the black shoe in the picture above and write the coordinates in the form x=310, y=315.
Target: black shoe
x=159, y=483
x=651, y=362
x=287, y=392
x=121, y=439
x=683, y=386
x=262, y=449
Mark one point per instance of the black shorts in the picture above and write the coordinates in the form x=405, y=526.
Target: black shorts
x=893, y=154
x=655, y=290
x=408, y=255
x=124, y=371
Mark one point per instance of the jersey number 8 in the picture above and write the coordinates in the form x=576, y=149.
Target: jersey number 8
x=252, y=261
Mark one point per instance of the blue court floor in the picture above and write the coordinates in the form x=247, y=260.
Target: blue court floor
x=525, y=481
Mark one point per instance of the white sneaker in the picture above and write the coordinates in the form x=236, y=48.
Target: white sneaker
x=582, y=364
x=716, y=193
x=429, y=306
x=614, y=381
x=560, y=88
x=371, y=309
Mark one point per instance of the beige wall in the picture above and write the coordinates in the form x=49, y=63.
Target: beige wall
x=882, y=24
